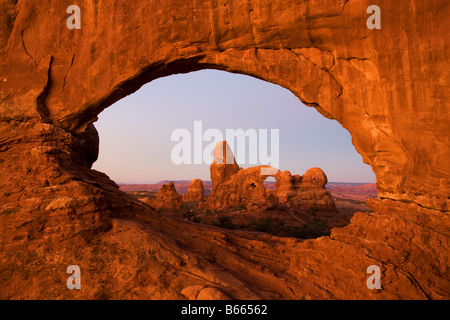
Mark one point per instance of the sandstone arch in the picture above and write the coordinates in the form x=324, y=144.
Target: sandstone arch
x=387, y=87
x=233, y=186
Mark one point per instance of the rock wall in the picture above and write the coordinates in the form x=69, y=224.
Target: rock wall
x=384, y=86
x=388, y=88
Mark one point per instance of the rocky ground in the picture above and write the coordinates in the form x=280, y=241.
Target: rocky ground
x=297, y=206
x=302, y=224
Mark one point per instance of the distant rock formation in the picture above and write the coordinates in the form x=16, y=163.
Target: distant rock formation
x=243, y=189
x=307, y=191
x=236, y=187
x=167, y=198
x=224, y=165
x=352, y=191
x=195, y=193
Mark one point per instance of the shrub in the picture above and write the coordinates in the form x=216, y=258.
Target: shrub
x=224, y=222
x=312, y=210
x=267, y=224
x=239, y=207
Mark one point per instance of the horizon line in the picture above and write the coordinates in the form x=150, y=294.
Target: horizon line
x=175, y=181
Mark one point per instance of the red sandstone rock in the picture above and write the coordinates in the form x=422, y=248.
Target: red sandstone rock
x=243, y=189
x=304, y=192
x=234, y=187
x=353, y=191
x=388, y=87
x=203, y=293
x=352, y=73
x=224, y=165
x=167, y=199
x=195, y=193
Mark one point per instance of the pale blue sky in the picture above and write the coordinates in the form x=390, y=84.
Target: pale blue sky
x=135, y=133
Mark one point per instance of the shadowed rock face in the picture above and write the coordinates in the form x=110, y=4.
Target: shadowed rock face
x=388, y=87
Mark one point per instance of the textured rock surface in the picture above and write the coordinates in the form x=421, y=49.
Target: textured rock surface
x=195, y=193
x=234, y=187
x=306, y=191
x=245, y=188
x=167, y=198
x=388, y=87
x=224, y=164
x=323, y=52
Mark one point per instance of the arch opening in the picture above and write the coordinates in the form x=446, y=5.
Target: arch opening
x=224, y=101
